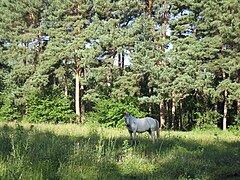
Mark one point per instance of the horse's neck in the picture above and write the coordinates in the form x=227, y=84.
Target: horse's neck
x=132, y=119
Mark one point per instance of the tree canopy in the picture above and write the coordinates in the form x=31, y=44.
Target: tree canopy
x=177, y=61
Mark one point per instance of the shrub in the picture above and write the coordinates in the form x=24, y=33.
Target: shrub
x=49, y=109
x=110, y=112
x=207, y=120
x=8, y=110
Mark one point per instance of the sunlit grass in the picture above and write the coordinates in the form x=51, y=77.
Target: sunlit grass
x=70, y=151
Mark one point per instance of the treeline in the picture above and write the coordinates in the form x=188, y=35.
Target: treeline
x=91, y=60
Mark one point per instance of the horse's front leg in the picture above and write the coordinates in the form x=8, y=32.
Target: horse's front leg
x=130, y=133
x=135, y=138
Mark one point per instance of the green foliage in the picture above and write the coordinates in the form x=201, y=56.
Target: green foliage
x=8, y=110
x=207, y=120
x=235, y=127
x=52, y=109
x=151, y=52
x=110, y=112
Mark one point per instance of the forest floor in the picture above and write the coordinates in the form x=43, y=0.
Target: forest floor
x=70, y=151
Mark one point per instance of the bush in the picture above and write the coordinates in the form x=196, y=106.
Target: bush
x=8, y=110
x=49, y=109
x=110, y=112
x=207, y=120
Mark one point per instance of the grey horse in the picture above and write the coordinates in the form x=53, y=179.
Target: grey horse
x=140, y=125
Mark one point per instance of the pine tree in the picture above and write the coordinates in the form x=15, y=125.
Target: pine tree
x=20, y=34
x=221, y=20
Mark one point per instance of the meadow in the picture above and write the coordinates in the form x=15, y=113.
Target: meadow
x=70, y=151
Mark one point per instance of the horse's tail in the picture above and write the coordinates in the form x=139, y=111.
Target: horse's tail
x=158, y=129
x=158, y=126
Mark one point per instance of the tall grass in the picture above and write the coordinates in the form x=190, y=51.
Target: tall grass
x=43, y=151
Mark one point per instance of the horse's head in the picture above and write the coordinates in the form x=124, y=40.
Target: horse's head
x=126, y=118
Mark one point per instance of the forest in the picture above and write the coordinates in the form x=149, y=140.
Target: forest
x=91, y=60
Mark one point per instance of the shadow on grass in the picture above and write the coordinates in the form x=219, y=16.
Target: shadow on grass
x=27, y=153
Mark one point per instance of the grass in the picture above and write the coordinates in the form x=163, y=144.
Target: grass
x=67, y=151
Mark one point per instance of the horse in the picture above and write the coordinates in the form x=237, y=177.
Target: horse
x=140, y=125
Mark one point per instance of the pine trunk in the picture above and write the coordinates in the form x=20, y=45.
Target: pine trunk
x=77, y=95
x=168, y=114
x=65, y=84
x=173, y=111
x=77, y=84
x=82, y=106
x=238, y=107
x=180, y=123
x=165, y=21
x=238, y=101
x=225, y=109
x=110, y=77
x=162, y=117
x=120, y=64
x=216, y=106
x=40, y=41
x=205, y=100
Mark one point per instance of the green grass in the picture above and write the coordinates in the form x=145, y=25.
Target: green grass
x=44, y=151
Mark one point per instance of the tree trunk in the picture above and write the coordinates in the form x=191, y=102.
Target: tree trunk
x=238, y=100
x=150, y=91
x=65, y=84
x=149, y=9
x=205, y=100
x=82, y=106
x=165, y=21
x=238, y=107
x=110, y=77
x=77, y=94
x=168, y=116
x=54, y=80
x=119, y=64
x=173, y=111
x=225, y=109
x=40, y=41
x=123, y=60
x=77, y=84
x=162, y=117
x=180, y=123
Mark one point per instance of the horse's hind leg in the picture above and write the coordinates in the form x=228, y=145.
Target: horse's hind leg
x=152, y=133
x=158, y=133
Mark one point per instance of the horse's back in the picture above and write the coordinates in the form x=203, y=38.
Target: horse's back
x=154, y=124
x=147, y=123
